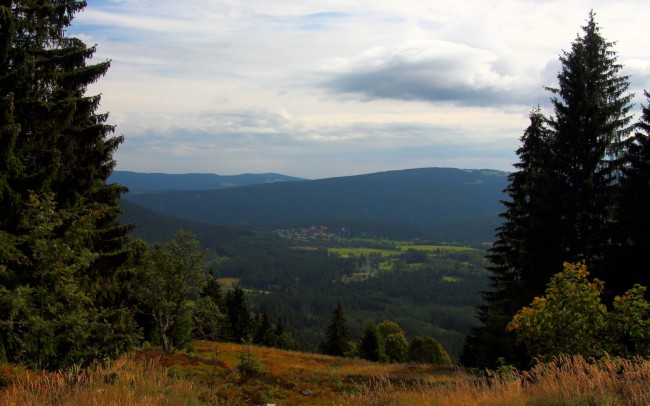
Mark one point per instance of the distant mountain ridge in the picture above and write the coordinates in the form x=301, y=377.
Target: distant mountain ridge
x=154, y=182
x=449, y=203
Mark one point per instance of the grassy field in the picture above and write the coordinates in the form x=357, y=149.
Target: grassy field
x=228, y=282
x=348, y=252
x=230, y=374
x=434, y=248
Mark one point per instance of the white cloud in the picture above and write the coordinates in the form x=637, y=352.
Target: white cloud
x=335, y=87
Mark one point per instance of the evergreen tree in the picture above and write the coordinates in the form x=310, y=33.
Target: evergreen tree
x=516, y=266
x=371, y=344
x=632, y=236
x=590, y=125
x=561, y=198
x=283, y=336
x=336, y=336
x=239, y=317
x=213, y=290
x=264, y=330
x=56, y=147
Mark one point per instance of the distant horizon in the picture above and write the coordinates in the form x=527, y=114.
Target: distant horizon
x=302, y=177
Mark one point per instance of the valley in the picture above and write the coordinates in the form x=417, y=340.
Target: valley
x=427, y=287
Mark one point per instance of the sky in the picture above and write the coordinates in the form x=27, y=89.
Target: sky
x=326, y=88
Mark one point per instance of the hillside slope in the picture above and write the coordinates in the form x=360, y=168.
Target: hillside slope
x=150, y=182
x=446, y=203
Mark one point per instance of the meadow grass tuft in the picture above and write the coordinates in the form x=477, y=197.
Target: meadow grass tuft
x=210, y=376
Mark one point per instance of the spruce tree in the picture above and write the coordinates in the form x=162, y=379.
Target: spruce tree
x=514, y=259
x=336, y=336
x=371, y=344
x=239, y=316
x=590, y=125
x=263, y=330
x=55, y=148
x=562, y=197
x=633, y=218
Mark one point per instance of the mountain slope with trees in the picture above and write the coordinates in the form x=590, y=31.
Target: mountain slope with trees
x=156, y=182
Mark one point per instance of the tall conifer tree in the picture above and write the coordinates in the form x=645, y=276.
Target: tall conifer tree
x=336, y=336
x=633, y=219
x=591, y=123
x=55, y=148
x=561, y=199
x=527, y=221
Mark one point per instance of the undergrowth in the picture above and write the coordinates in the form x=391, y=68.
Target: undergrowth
x=229, y=374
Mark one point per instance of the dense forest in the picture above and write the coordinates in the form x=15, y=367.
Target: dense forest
x=430, y=293
x=566, y=275
x=576, y=204
x=438, y=203
x=156, y=182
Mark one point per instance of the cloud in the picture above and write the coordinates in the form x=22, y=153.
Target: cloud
x=214, y=141
x=434, y=71
x=336, y=87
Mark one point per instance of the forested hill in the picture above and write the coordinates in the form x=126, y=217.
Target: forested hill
x=150, y=182
x=445, y=203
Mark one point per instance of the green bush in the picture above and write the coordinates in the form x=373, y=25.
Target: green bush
x=426, y=350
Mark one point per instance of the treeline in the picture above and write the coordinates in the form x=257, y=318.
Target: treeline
x=302, y=282
x=580, y=195
x=177, y=300
x=383, y=342
x=436, y=296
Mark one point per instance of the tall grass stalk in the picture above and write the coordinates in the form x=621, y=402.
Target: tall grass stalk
x=566, y=380
x=126, y=381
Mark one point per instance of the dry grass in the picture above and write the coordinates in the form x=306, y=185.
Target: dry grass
x=564, y=381
x=129, y=380
x=209, y=376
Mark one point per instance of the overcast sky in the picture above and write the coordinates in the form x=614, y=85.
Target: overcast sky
x=330, y=88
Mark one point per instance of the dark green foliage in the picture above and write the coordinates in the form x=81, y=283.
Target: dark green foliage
x=239, y=316
x=336, y=335
x=450, y=203
x=55, y=153
x=388, y=327
x=51, y=320
x=590, y=125
x=426, y=350
x=395, y=343
x=156, y=182
x=214, y=290
x=301, y=285
x=517, y=266
x=248, y=364
x=632, y=236
x=396, y=347
x=629, y=323
x=283, y=337
x=562, y=198
x=371, y=344
x=207, y=319
x=263, y=331
x=168, y=276
x=571, y=319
